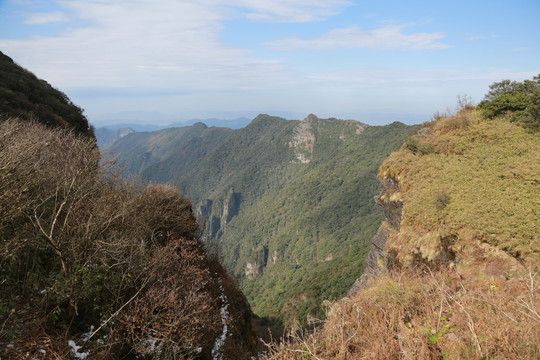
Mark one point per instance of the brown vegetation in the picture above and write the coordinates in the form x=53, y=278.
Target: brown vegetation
x=405, y=315
x=80, y=246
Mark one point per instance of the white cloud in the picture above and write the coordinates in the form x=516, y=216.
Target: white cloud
x=125, y=44
x=368, y=77
x=473, y=37
x=384, y=38
x=170, y=55
x=47, y=17
x=156, y=44
x=289, y=10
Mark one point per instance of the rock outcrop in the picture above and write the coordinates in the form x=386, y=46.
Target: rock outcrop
x=377, y=261
x=303, y=140
x=230, y=206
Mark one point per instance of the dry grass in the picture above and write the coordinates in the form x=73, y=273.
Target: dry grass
x=427, y=316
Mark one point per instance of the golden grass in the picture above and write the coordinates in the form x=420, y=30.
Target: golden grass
x=433, y=316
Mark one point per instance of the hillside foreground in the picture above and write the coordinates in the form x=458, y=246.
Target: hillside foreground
x=458, y=278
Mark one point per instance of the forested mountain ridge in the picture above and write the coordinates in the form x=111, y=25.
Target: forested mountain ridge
x=106, y=137
x=288, y=203
x=163, y=153
x=24, y=96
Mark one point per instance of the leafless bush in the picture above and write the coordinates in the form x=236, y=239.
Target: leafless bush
x=106, y=251
x=176, y=314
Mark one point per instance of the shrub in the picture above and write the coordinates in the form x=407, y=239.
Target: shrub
x=82, y=246
x=442, y=199
x=519, y=99
x=415, y=146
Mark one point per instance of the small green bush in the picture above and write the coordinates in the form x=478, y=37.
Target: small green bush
x=415, y=146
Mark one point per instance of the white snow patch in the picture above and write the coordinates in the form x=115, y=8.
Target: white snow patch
x=85, y=336
x=217, y=351
x=75, y=351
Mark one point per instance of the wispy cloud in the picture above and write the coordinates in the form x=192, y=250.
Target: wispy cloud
x=47, y=17
x=164, y=44
x=473, y=37
x=290, y=10
x=174, y=54
x=384, y=38
x=519, y=49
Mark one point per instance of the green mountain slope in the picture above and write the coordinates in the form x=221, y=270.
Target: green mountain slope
x=288, y=203
x=138, y=151
x=24, y=96
x=106, y=137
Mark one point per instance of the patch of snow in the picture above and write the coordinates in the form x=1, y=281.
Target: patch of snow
x=86, y=336
x=75, y=351
x=151, y=344
x=217, y=351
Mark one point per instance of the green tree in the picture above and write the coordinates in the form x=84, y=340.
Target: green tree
x=520, y=99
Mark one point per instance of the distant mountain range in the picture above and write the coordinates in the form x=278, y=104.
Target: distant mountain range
x=107, y=135
x=147, y=125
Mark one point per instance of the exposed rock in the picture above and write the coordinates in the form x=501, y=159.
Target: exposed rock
x=230, y=206
x=274, y=257
x=360, y=127
x=214, y=224
x=252, y=270
x=204, y=209
x=376, y=261
x=257, y=262
x=304, y=139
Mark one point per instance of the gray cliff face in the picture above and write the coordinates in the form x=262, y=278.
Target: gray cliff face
x=377, y=261
x=230, y=206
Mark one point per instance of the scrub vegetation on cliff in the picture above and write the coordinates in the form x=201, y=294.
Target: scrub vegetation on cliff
x=93, y=265
x=84, y=251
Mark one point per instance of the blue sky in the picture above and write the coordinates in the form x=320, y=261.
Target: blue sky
x=374, y=61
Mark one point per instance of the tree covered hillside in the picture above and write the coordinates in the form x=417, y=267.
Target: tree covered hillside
x=288, y=203
x=24, y=96
x=163, y=154
x=290, y=206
